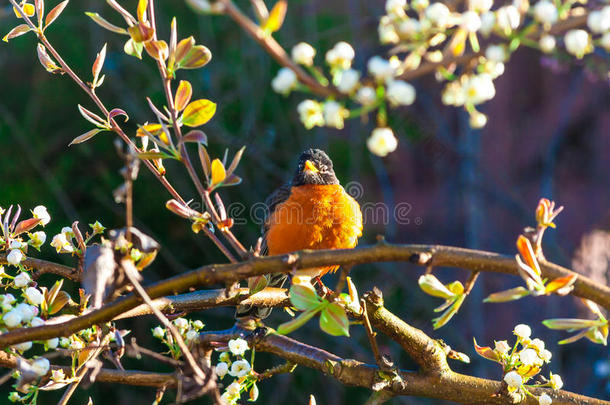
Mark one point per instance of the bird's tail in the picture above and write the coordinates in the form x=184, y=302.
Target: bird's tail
x=250, y=311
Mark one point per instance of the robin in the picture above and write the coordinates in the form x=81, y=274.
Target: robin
x=312, y=211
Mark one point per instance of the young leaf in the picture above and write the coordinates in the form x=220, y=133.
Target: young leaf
x=486, y=352
x=27, y=8
x=218, y=173
x=116, y=112
x=133, y=48
x=157, y=50
x=141, y=10
x=204, y=158
x=53, y=14
x=432, y=286
x=276, y=17
x=184, y=47
x=256, y=284
x=236, y=160
x=196, y=57
x=198, y=112
x=39, y=5
x=297, y=322
x=104, y=24
x=85, y=137
x=448, y=314
x=152, y=155
x=333, y=320
x=303, y=297
x=141, y=32
x=46, y=61
x=26, y=225
x=183, y=95
x=92, y=117
x=98, y=64
x=195, y=136
x=16, y=32
x=570, y=323
x=508, y=295
x=561, y=285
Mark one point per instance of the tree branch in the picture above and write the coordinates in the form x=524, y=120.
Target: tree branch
x=43, y=267
x=424, y=255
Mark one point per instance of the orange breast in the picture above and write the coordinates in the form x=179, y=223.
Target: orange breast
x=315, y=217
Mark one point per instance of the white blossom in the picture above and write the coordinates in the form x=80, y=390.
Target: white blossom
x=191, y=335
x=41, y=366
x=420, y=5
x=366, y=95
x=310, y=113
x=33, y=296
x=158, y=332
x=22, y=347
x=528, y=357
x=12, y=319
x=340, y=56
x=513, y=379
x=545, y=12
x=471, y=21
x=334, y=114
x=181, y=323
x=22, y=280
x=37, y=239
x=488, y=21
x=61, y=243
x=76, y=344
x=15, y=244
x=508, y=18
x=605, y=41
x=64, y=342
x=438, y=14
x=396, y=7
x=27, y=312
x=238, y=346
x=240, y=368
x=303, y=53
x=386, y=31
x=234, y=388
x=556, y=381
x=221, y=369
x=284, y=82
x=495, y=53
x=544, y=399
x=478, y=89
x=502, y=346
x=537, y=344
x=36, y=321
x=380, y=68
x=409, y=27
x=7, y=299
x=41, y=213
x=546, y=355
x=523, y=331
x=382, y=141
x=599, y=21
x=480, y=6
x=14, y=257
x=477, y=120
x=68, y=231
x=547, y=43
x=197, y=325
x=53, y=343
x=349, y=81
x=400, y=93
x=578, y=42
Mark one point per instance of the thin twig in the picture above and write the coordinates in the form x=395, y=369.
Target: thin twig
x=371, y=335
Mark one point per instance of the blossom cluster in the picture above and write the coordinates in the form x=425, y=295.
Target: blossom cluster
x=188, y=329
x=233, y=363
x=521, y=362
x=13, y=236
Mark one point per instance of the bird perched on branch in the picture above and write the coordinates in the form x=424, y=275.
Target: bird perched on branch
x=312, y=211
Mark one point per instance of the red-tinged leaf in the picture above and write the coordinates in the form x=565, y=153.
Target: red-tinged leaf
x=180, y=209
x=92, y=117
x=116, y=112
x=26, y=225
x=196, y=57
x=183, y=95
x=46, y=61
x=256, y=284
x=104, y=24
x=561, y=283
x=141, y=32
x=236, y=160
x=173, y=41
x=297, y=322
x=232, y=180
x=303, y=297
x=333, y=320
x=152, y=155
x=198, y=112
x=508, y=295
x=85, y=137
x=157, y=50
x=195, y=136
x=39, y=6
x=53, y=14
x=570, y=323
x=142, y=4
x=52, y=293
x=276, y=17
x=184, y=47
x=218, y=173
x=486, y=352
x=133, y=48
x=527, y=252
x=59, y=302
x=98, y=64
x=16, y=32
x=205, y=160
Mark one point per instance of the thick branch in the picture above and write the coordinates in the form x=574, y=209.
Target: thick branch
x=43, y=266
x=424, y=255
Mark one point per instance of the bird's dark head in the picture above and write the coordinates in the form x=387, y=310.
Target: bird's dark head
x=315, y=167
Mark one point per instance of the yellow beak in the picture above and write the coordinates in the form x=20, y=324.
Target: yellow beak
x=310, y=167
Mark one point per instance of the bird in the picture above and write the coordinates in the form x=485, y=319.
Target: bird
x=311, y=211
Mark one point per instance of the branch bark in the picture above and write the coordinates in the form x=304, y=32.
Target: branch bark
x=424, y=255
x=43, y=267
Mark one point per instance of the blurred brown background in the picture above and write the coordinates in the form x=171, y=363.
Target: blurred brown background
x=548, y=136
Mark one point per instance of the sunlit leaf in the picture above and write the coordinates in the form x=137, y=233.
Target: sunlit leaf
x=297, y=322
x=153, y=155
x=39, y=5
x=333, y=320
x=85, y=137
x=256, y=284
x=486, y=351
x=206, y=163
x=218, y=173
x=595, y=335
x=527, y=252
x=198, y=112
x=508, y=295
x=183, y=95
x=141, y=32
x=142, y=4
x=276, y=17
x=105, y=24
x=28, y=9
x=449, y=313
x=157, y=50
x=184, y=47
x=196, y=57
x=26, y=225
x=195, y=136
x=60, y=301
x=45, y=60
x=55, y=12
x=561, y=283
x=432, y=286
x=116, y=112
x=570, y=323
x=573, y=339
x=304, y=297
x=98, y=64
x=133, y=48
x=92, y=117
x=16, y=32
x=235, y=161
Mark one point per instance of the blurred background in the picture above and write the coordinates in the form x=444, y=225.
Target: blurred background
x=548, y=136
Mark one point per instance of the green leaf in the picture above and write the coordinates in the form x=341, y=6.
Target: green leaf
x=297, y=322
x=153, y=155
x=448, y=314
x=196, y=57
x=85, y=137
x=198, y=112
x=508, y=295
x=105, y=24
x=256, y=284
x=303, y=297
x=276, y=17
x=570, y=323
x=133, y=48
x=432, y=286
x=333, y=320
